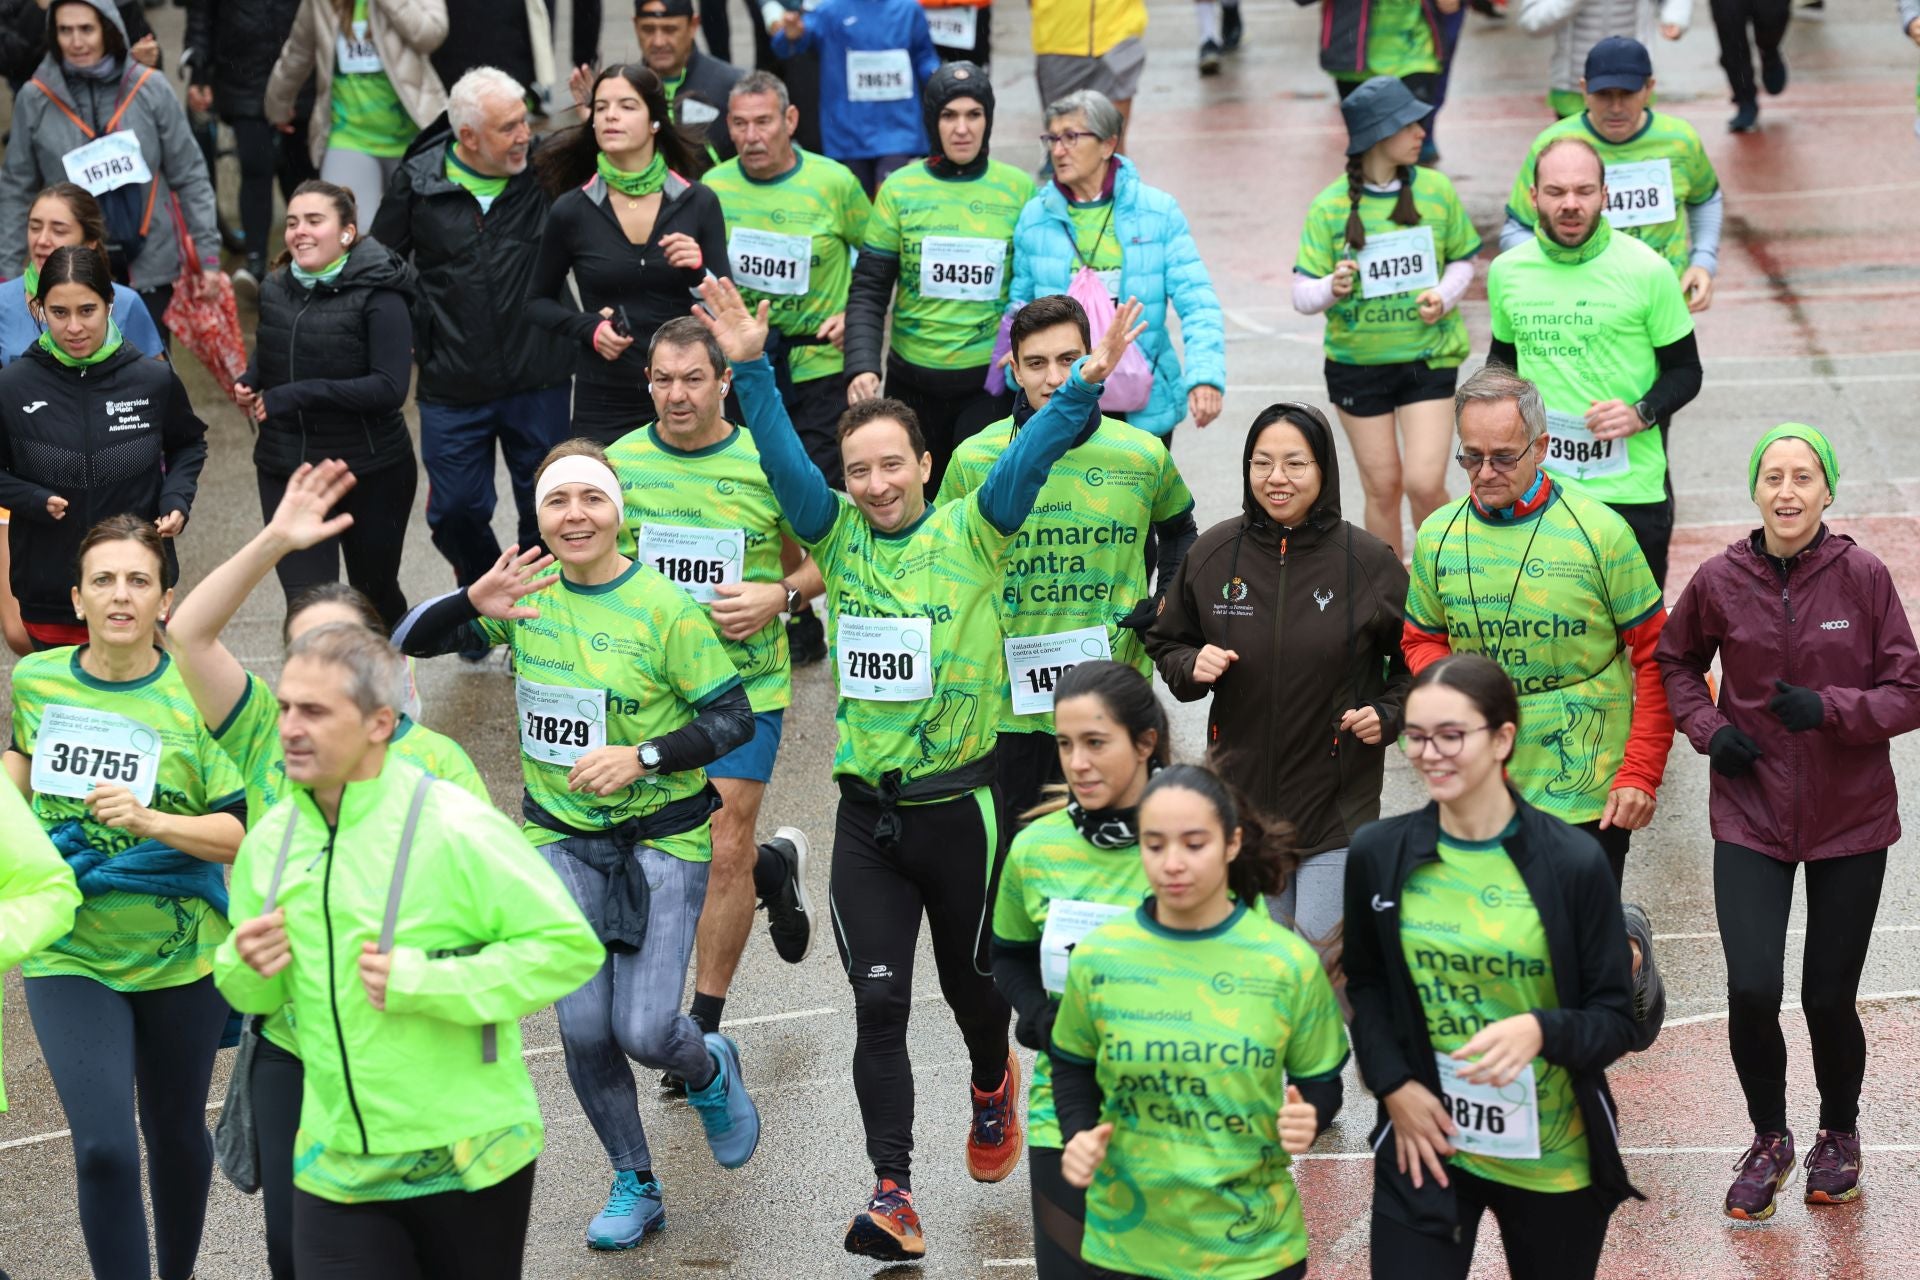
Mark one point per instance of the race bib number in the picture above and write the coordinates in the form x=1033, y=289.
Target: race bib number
x=1110, y=281
x=1573, y=452
x=695, y=560
x=879, y=75
x=78, y=750
x=1068, y=921
x=1036, y=663
x=962, y=268
x=354, y=53
x=955, y=28
x=1398, y=262
x=1503, y=1122
x=771, y=262
x=1640, y=194
x=559, y=723
x=885, y=659
x=695, y=112
x=106, y=163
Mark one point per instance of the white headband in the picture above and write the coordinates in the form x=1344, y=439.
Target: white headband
x=578, y=468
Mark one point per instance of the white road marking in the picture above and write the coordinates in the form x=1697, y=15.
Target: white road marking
x=1714, y=933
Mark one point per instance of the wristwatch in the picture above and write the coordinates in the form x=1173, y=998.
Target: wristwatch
x=649, y=756
x=1645, y=411
x=795, y=601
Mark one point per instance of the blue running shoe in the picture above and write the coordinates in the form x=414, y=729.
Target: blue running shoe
x=726, y=1112
x=633, y=1210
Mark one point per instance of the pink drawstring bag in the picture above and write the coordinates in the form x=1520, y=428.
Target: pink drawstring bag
x=1130, y=385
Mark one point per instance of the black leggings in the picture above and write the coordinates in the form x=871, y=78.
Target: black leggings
x=277, y=1080
x=952, y=404
x=381, y=503
x=943, y=865
x=456, y=1235
x=1731, y=18
x=265, y=154
x=1752, y=894
x=1615, y=842
x=115, y=1054
x=1059, y=1217
x=1547, y=1235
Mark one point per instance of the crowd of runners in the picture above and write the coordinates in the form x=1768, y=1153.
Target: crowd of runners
x=805, y=364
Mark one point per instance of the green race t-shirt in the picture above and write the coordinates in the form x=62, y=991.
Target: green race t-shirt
x=368, y=115
x=920, y=604
x=1050, y=862
x=1585, y=323
x=1193, y=1036
x=1686, y=178
x=1547, y=597
x=1389, y=330
x=124, y=940
x=610, y=665
x=708, y=516
x=472, y=1164
x=1096, y=242
x=791, y=241
x=1079, y=560
x=1399, y=42
x=947, y=306
x=1478, y=953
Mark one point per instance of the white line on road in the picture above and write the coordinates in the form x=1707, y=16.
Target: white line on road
x=1717, y=1015
x=1714, y=933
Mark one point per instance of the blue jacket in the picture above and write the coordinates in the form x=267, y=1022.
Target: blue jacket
x=19, y=330
x=1159, y=263
x=863, y=130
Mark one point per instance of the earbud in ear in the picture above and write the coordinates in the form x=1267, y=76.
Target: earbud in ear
x=656, y=126
x=345, y=238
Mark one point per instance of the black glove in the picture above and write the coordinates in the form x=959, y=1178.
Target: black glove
x=1797, y=708
x=1036, y=1032
x=1732, y=752
x=1142, y=616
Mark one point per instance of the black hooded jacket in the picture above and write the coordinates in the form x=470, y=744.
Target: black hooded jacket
x=1315, y=614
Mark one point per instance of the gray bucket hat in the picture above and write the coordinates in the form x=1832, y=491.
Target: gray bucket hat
x=1378, y=109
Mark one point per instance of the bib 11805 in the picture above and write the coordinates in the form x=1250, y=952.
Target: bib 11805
x=696, y=560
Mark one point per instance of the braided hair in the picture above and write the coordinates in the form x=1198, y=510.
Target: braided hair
x=1404, y=211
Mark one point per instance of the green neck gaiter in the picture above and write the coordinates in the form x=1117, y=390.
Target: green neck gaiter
x=325, y=275
x=643, y=183
x=107, y=348
x=1596, y=244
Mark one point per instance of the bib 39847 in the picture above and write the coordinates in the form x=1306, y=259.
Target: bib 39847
x=1036, y=663
x=107, y=163
x=962, y=268
x=885, y=659
x=1640, y=194
x=879, y=75
x=695, y=560
x=771, y=261
x=78, y=749
x=1576, y=454
x=1499, y=1121
x=559, y=723
x=354, y=53
x=1398, y=262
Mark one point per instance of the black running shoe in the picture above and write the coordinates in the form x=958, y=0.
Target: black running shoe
x=1746, y=118
x=1209, y=58
x=806, y=639
x=672, y=1085
x=1231, y=28
x=790, y=910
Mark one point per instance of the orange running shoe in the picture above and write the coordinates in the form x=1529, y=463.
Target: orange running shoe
x=995, y=1140
x=888, y=1227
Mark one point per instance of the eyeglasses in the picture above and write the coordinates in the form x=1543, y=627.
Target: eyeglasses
x=1071, y=137
x=1501, y=462
x=1293, y=469
x=1446, y=741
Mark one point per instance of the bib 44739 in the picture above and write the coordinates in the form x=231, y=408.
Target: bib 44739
x=1036, y=663
x=885, y=659
x=79, y=749
x=1492, y=1120
x=1398, y=262
x=694, y=559
x=1577, y=454
x=559, y=723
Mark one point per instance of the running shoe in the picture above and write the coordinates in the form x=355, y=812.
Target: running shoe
x=1833, y=1168
x=888, y=1227
x=633, y=1211
x=1746, y=118
x=1649, y=993
x=995, y=1140
x=806, y=639
x=1773, y=72
x=672, y=1085
x=790, y=910
x=1763, y=1171
x=1209, y=58
x=726, y=1112
x=1231, y=28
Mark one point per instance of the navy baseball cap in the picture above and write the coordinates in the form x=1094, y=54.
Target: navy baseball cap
x=1618, y=62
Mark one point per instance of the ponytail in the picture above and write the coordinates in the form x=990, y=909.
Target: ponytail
x=1267, y=858
x=1405, y=212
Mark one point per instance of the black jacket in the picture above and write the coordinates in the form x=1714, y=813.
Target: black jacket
x=471, y=335
x=333, y=363
x=232, y=46
x=1315, y=614
x=1572, y=888
x=709, y=81
x=487, y=33
x=584, y=236
x=118, y=437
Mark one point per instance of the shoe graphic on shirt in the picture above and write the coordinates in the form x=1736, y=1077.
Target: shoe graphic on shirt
x=1578, y=744
x=1259, y=1210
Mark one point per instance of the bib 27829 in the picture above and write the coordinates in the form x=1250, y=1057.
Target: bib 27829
x=559, y=723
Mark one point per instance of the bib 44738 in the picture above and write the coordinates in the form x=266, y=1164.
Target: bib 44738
x=1500, y=1121
x=1036, y=663
x=106, y=163
x=559, y=723
x=1575, y=453
x=79, y=749
x=695, y=560
x=885, y=659
x=1640, y=194
x=1398, y=262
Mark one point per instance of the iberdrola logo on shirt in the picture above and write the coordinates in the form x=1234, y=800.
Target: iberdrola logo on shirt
x=1234, y=592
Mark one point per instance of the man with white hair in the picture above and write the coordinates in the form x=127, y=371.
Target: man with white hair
x=466, y=210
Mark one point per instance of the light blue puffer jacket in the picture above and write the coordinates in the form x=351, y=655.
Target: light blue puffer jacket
x=1159, y=263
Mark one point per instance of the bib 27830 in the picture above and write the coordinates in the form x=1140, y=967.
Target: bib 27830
x=885, y=659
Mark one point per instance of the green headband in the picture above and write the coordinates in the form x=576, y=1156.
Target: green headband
x=1795, y=431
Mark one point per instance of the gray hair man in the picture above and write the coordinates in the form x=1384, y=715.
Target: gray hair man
x=466, y=210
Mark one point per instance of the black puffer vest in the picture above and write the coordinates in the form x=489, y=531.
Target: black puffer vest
x=320, y=334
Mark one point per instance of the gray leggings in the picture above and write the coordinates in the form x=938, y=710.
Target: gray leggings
x=364, y=175
x=631, y=1008
x=1313, y=902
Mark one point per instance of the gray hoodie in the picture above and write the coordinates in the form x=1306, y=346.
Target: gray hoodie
x=43, y=133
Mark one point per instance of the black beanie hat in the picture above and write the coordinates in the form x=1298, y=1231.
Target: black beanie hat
x=956, y=80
